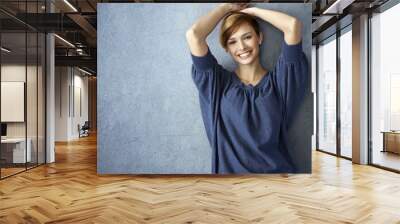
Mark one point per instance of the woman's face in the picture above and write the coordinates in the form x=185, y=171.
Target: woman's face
x=244, y=44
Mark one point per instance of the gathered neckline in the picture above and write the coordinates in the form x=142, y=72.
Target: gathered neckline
x=251, y=86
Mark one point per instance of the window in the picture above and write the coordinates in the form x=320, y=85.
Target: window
x=346, y=94
x=385, y=89
x=327, y=96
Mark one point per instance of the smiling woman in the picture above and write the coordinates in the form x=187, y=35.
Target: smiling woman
x=247, y=112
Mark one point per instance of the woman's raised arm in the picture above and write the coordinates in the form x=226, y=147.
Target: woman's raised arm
x=290, y=26
x=198, y=32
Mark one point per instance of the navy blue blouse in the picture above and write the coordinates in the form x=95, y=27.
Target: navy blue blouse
x=247, y=125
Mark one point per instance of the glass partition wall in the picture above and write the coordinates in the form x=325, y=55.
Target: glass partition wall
x=13, y=88
x=22, y=99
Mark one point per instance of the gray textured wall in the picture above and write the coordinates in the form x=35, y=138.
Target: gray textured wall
x=149, y=118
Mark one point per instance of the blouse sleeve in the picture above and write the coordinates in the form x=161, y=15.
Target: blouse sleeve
x=207, y=75
x=292, y=78
x=209, y=78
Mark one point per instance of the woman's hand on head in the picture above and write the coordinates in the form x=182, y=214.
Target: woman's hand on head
x=235, y=6
x=249, y=11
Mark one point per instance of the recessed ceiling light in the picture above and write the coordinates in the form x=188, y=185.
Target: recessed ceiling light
x=70, y=5
x=64, y=40
x=5, y=50
x=86, y=72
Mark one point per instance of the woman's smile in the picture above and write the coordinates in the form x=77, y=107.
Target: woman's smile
x=245, y=54
x=245, y=57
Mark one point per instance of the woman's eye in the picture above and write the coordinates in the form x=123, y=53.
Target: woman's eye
x=232, y=42
x=248, y=37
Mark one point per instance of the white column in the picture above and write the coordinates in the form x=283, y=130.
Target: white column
x=360, y=90
x=50, y=93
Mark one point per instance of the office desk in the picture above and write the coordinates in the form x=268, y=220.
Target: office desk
x=16, y=147
x=391, y=141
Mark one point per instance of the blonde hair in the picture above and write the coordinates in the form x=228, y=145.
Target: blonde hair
x=231, y=23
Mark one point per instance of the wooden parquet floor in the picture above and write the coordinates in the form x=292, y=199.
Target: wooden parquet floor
x=70, y=191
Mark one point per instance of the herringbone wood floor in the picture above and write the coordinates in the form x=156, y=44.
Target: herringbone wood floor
x=70, y=191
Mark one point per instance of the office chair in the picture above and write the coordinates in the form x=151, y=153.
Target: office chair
x=84, y=130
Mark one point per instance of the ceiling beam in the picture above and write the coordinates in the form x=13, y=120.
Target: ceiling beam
x=84, y=24
x=85, y=61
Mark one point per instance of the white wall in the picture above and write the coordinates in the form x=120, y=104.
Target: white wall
x=80, y=89
x=70, y=83
x=61, y=103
